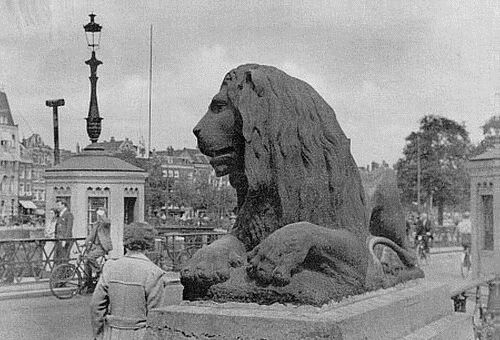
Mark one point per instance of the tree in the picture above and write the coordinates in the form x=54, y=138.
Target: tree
x=156, y=185
x=443, y=146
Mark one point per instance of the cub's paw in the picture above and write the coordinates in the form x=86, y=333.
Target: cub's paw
x=212, y=264
x=274, y=261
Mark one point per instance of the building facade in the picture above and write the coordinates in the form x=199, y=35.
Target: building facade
x=9, y=162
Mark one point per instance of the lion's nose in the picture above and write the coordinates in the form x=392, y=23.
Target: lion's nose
x=197, y=131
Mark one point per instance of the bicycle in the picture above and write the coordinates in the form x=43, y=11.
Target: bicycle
x=66, y=279
x=466, y=264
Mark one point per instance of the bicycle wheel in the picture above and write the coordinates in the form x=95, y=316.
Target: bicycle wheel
x=65, y=281
x=420, y=255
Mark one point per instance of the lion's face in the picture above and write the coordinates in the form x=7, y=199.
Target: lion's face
x=219, y=134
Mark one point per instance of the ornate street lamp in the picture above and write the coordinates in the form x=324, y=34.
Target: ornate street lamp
x=93, y=35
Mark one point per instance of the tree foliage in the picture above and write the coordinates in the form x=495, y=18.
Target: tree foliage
x=442, y=145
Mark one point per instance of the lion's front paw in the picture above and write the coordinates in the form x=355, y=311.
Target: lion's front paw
x=275, y=261
x=212, y=264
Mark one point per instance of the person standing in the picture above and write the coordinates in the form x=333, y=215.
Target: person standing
x=64, y=229
x=98, y=243
x=50, y=232
x=129, y=287
x=50, y=224
x=465, y=229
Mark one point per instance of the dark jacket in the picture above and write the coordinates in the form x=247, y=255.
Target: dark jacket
x=424, y=227
x=100, y=234
x=64, y=225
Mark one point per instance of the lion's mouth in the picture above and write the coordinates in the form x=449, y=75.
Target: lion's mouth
x=219, y=153
x=222, y=160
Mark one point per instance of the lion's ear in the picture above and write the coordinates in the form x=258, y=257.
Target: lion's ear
x=250, y=104
x=256, y=85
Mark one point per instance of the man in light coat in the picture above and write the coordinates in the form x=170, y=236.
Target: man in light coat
x=129, y=287
x=98, y=243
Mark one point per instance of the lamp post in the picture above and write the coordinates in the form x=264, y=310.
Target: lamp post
x=93, y=35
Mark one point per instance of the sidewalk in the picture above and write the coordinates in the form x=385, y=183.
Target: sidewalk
x=41, y=288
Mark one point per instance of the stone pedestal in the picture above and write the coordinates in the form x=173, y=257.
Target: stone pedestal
x=386, y=314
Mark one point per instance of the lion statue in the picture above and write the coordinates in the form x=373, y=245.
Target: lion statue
x=302, y=233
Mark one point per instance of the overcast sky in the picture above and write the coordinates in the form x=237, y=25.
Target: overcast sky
x=381, y=65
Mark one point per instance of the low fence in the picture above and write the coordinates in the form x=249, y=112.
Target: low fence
x=442, y=237
x=23, y=260
x=33, y=259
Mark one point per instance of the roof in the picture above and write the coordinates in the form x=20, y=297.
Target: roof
x=491, y=153
x=94, y=161
x=113, y=145
x=5, y=110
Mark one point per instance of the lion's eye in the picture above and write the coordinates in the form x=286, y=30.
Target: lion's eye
x=217, y=106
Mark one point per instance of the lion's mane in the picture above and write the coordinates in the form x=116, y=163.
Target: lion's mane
x=297, y=162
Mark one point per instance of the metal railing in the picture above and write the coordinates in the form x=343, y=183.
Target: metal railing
x=23, y=260
x=173, y=250
x=28, y=260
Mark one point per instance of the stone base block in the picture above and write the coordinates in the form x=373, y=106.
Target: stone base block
x=457, y=326
x=385, y=314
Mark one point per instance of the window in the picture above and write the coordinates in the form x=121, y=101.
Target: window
x=28, y=173
x=487, y=213
x=28, y=189
x=93, y=204
x=170, y=173
x=176, y=173
x=21, y=172
x=21, y=189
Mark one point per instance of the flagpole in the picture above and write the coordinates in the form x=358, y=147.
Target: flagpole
x=150, y=84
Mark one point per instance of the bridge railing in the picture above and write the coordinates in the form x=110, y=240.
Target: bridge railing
x=23, y=260
x=27, y=260
x=173, y=250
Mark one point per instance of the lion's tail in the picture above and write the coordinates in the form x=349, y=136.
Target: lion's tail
x=408, y=258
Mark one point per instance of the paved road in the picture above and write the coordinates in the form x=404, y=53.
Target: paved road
x=50, y=318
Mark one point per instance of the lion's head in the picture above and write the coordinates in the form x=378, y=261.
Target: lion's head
x=285, y=152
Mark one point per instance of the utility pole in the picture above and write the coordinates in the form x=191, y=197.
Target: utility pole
x=54, y=104
x=418, y=173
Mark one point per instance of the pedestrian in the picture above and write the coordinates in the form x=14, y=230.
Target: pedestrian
x=98, y=243
x=464, y=228
x=50, y=232
x=50, y=224
x=129, y=287
x=64, y=230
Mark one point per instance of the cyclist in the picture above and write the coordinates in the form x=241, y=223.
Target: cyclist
x=424, y=229
x=98, y=243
